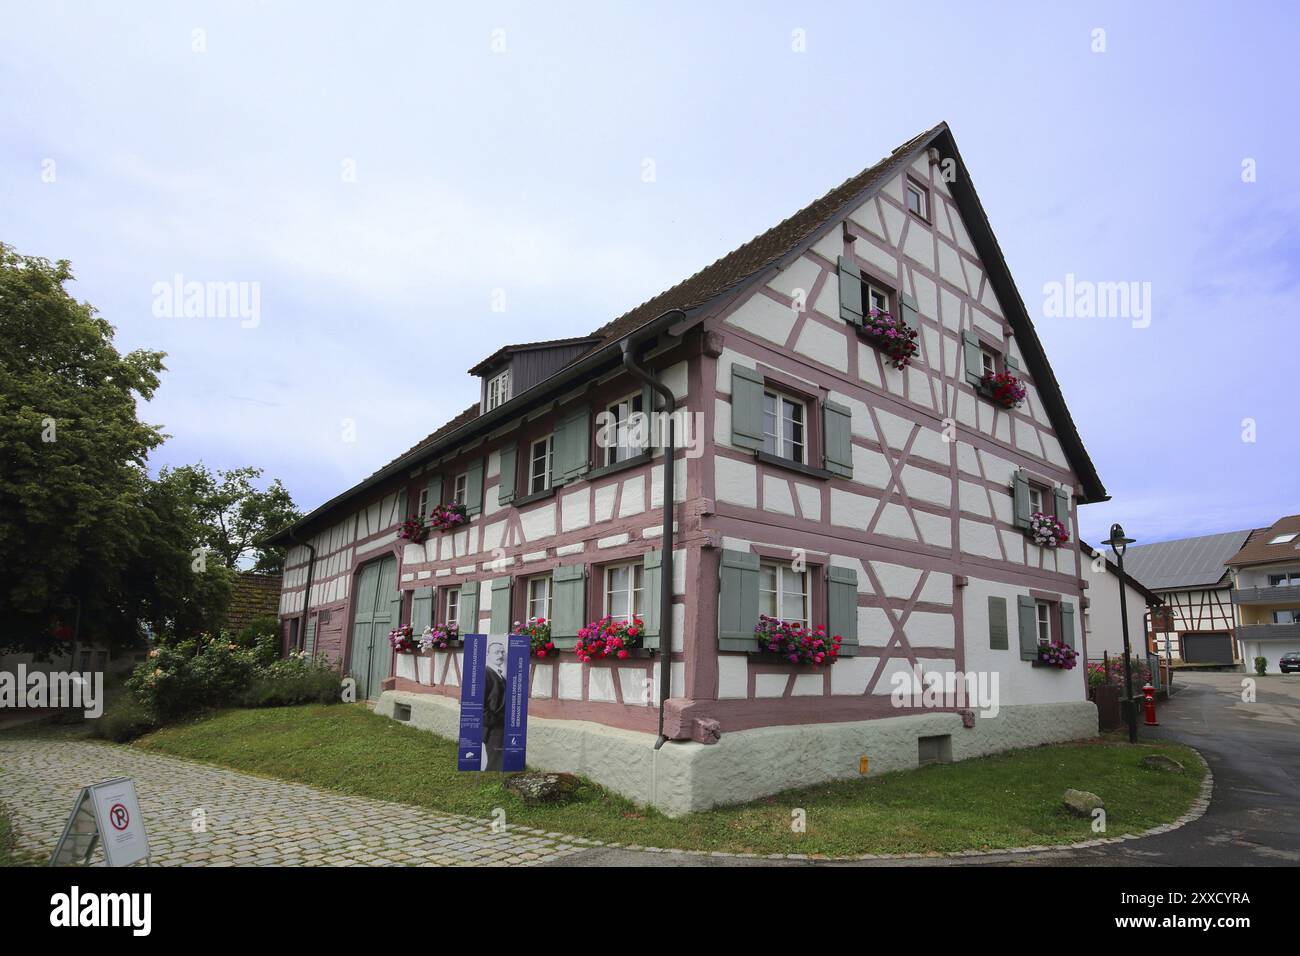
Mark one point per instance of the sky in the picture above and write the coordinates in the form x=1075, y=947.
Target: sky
x=406, y=187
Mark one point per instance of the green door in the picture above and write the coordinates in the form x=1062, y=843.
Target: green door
x=377, y=608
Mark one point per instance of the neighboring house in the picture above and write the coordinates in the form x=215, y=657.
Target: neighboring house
x=253, y=596
x=1192, y=579
x=823, y=485
x=1266, y=593
x=1101, y=608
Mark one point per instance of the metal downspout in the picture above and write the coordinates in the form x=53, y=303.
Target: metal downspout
x=666, y=562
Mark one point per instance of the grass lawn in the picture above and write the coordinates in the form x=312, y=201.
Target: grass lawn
x=1008, y=800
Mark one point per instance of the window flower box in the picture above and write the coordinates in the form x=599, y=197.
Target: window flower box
x=1004, y=389
x=538, y=631
x=1046, y=530
x=891, y=336
x=439, y=637
x=609, y=638
x=402, y=640
x=1057, y=654
x=448, y=516
x=413, y=530
x=795, y=643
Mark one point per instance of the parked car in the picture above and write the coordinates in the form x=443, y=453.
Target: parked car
x=1289, y=662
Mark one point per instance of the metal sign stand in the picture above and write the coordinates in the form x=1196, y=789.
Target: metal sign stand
x=83, y=831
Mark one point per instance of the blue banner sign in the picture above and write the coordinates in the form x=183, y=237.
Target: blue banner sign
x=494, y=702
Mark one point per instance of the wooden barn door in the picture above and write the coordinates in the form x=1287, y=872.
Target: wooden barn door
x=377, y=609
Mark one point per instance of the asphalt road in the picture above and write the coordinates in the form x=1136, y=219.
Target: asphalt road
x=1254, y=815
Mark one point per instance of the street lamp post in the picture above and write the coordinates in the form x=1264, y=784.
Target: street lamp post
x=1119, y=544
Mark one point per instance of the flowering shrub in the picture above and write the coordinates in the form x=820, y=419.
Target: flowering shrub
x=1112, y=672
x=1057, y=654
x=891, y=336
x=795, y=643
x=538, y=630
x=1005, y=389
x=609, y=638
x=402, y=640
x=1047, y=530
x=448, y=516
x=413, y=530
x=438, y=637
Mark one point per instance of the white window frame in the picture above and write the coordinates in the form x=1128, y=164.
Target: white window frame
x=548, y=456
x=424, y=503
x=620, y=450
x=1286, y=537
x=451, y=607
x=781, y=572
x=460, y=488
x=634, y=590
x=498, y=390
x=923, y=199
x=1043, y=622
x=774, y=443
x=531, y=600
x=988, y=360
x=871, y=292
x=1036, y=492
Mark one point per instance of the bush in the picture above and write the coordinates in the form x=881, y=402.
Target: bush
x=297, y=679
x=1261, y=665
x=190, y=675
x=123, y=720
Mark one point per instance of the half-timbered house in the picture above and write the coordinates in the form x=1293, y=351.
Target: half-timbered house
x=814, y=481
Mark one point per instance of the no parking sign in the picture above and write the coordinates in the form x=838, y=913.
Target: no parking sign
x=106, y=813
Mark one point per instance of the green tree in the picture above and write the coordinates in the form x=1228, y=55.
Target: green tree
x=235, y=516
x=86, y=538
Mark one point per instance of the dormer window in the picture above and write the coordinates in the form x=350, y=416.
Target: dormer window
x=498, y=390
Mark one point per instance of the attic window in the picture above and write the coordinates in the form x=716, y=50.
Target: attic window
x=498, y=390
x=1285, y=538
x=918, y=200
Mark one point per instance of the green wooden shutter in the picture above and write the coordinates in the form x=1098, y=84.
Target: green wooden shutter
x=650, y=596
x=746, y=407
x=1011, y=365
x=909, y=312
x=568, y=604
x=467, y=610
x=309, y=644
x=501, y=621
x=974, y=360
x=1063, y=507
x=837, y=436
x=850, y=291
x=434, y=494
x=509, y=478
x=421, y=610
x=842, y=607
x=1020, y=498
x=474, y=488
x=998, y=634
x=1067, y=623
x=737, y=601
x=1028, y=628
x=572, y=445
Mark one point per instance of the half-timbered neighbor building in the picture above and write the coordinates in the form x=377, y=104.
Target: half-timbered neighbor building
x=1197, y=624
x=1266, y=593
x=814, y=481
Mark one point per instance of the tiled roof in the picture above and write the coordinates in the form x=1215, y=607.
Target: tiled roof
x=1113, y=568
x=1188, y=563
x=1257, y=550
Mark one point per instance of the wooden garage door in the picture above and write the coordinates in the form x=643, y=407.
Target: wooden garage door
x=377, y=606
x=1207, y=649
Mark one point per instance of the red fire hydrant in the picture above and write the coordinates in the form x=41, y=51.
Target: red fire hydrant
x=1149, y=697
